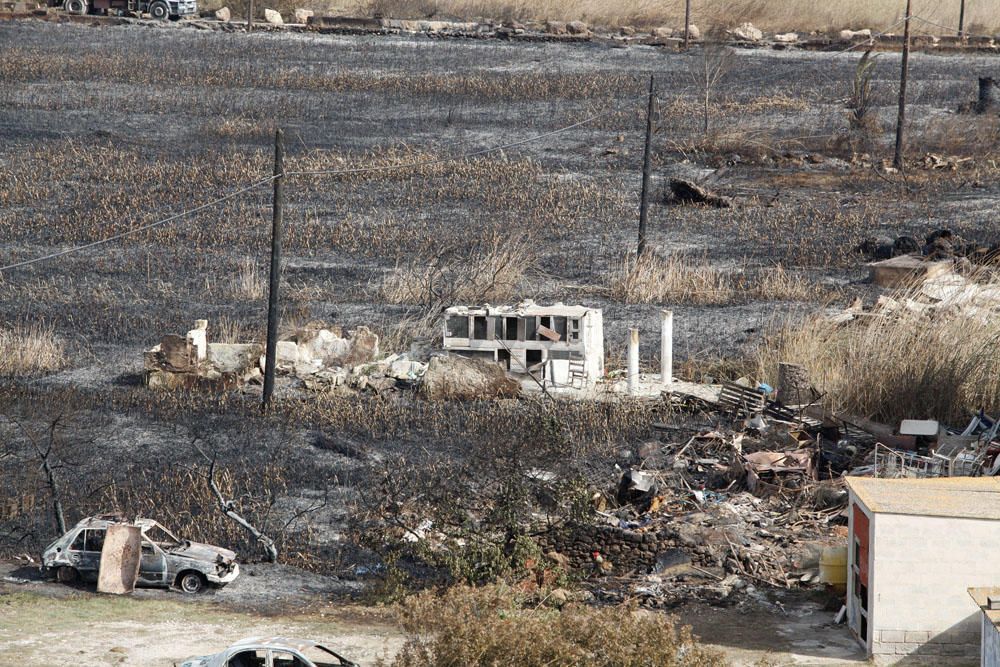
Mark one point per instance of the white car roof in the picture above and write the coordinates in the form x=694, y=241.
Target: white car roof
x=275, y=643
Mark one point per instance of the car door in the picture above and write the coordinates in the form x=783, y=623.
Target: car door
x=76, y=549
x=85, y=551
x=152, y=565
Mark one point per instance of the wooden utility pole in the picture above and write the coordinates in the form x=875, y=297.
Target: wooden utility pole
x=687, y=23
x=961, y=19
x=897, y=160
x=278, y=205
x=249, y=15
x=646, y=159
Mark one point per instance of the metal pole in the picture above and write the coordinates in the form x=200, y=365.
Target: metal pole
x=687, y=23
x=250, y=16
x=961, y=19
x=278, y=205
x=633, y=361
x=897, y=160
x=646, y=159
x=666, y=347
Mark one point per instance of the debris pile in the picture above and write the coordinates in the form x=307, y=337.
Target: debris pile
x=939, y=244
x=322, y=358
x=685, y=524
x=315, y=356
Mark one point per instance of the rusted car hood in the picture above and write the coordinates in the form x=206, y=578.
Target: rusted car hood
x=199, y=551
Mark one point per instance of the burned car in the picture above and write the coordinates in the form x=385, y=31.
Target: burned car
x=272, y=652
x=165, y=559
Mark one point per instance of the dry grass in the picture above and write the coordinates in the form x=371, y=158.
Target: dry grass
x=29, y=348
x=907, y=365
x=776, y=15
x=250, y=282
x=681, y=279
x=495, y=626
x=491, y=271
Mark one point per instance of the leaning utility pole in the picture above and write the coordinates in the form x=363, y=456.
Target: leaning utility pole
x=961, y=20
x=687, y=23
x=897, y=160
x=644, y=197
x=278, y=205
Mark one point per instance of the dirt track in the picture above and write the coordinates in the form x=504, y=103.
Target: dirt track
x=158, y=628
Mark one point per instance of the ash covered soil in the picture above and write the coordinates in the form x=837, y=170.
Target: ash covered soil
x=107, y=129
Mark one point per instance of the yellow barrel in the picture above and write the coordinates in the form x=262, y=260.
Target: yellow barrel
x=833, y=566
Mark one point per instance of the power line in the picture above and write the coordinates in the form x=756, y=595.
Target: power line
x=265, y=181
x=965, y=33
x=121, y=235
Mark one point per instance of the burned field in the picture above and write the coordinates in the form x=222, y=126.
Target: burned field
x=395, y=211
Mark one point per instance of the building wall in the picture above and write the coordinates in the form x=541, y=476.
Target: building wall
x=858, y=564
x=990, y=643
x=589, y=348
x=593, y=345
x=921, y=570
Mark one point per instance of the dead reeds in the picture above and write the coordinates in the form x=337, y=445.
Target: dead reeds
x=682, y=279
x=908, y=363
x=29, y=348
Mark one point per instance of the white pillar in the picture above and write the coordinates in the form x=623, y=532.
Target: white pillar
x=633, y=361
x=666, y=347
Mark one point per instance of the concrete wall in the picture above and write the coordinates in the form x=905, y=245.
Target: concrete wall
x=990, y=643
x=593, y=345
x=922, y=568
x=589, y=349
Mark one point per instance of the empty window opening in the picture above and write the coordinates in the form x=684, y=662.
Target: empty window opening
x=503, y=356
x=559, y=326
x=510, y=328
x=479, y=327
x=546, y=322
x=248, y=659
x=458, y=327
x=573, y=333
x=532, y=357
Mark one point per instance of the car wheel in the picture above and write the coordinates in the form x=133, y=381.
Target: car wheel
x=75, y=6
x=159, y=10
x=191, y=582
x=67, y=575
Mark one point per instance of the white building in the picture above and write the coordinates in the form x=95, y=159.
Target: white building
x=988, y=601
x=558, y=345
x=916, y=546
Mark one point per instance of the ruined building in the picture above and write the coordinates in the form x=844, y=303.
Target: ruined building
x=558, y=345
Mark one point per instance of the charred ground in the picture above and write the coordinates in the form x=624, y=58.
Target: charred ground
x=106, y=129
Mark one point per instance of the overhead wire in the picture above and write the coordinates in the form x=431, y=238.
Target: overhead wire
x=136, y=230
x=232, y=195
x=381, y=168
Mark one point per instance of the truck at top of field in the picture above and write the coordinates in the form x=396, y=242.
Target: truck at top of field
x=161, y=10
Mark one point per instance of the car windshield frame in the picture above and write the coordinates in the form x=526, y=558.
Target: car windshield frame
x=175, y=541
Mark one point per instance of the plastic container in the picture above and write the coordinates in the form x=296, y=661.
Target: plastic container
x=833, y=566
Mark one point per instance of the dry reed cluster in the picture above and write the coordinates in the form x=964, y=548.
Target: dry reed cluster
x=937, y=365
x=29, y=348
x=682, y=279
